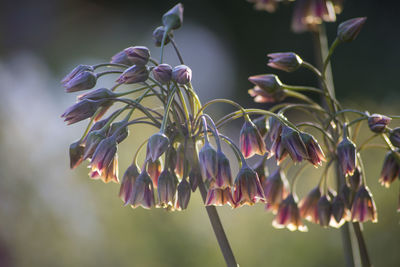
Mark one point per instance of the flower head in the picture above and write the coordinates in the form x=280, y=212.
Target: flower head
x=134, y=74
x=128, y=180
x=276, y=188
x=270, y=83
x=223, y=179
x=247, y=186
x=208, y=162
x=288, y=62
x=288, y=215
x=166, y=188
x=293, y=144
x=182, y=74
x=346, y=152
x=390, y=169
x=77, y=70
x=363, y=208
x=138, y=55
x=81, y=81
x=162, y=73
x=251, y=141
x=142, y=192
x=158, y=143
x=220, y=197
x=81, y=110
x=377, y=122
x=309, y=205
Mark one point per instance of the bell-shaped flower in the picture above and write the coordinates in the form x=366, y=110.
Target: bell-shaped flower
x=251, y=141
x=107, y=174
x=92, y=141
x=208, y=162
x=166, y=188
x=223, y=179
x=247, y=187
x=128, y=181
x=355, y=179
x=76, y=151
x=104, y=153
x=324, y=210
x=158, y=143
x=314, y=151
x=309, y=205
x=390, y=169
x=220, y=197
x=184, y=192
x=293, y=144
x=363, y=208
x=346, y=152
x=276, y=188
x=143, y=192
x=288, y=216
x=154, y=169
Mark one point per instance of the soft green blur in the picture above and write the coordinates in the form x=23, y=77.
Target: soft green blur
x=51, y=216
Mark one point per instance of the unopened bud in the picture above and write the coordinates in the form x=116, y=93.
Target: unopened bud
x=346, y=152
x=348, y=30
x=324, y=211
x=121, y=58
x=162, y=73
x=390, y=169
x=76, y=151
x=285, y=61
x=183, y=194
x=81, y=81
x=268, y=82
x=395, y=137
x=98, y=94
x=134, y=74
x=81, y=111
x=77, y=70
x=158, y=34
x=182, y=74
x=138, y=55
x=120, y=129
x=377, y=122
x=156, y=146
x=173, y=19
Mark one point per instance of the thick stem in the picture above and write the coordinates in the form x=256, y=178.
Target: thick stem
x=218, y=229
x=365, y=261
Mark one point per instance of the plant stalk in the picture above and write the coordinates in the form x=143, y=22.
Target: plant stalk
x=218, y=229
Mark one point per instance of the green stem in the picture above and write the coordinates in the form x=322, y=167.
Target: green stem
x=170, y=98
x=310, y=124
x=328, y=58
x=177, y=51
x=110, y=65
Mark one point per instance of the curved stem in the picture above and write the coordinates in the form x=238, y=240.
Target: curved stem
x=110, y=65
x=177, y=50
x=325, y=133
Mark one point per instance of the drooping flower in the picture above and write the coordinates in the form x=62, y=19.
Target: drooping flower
x=314, y=151
x=309, y=205
x=324, y=210
x=340, y=213
x=390, y=169
x=107, y=174
x=293, y=144
x=143, y=192
x=220, y=197
x=104, y=153
x=166, y=188
x=261, y=124
x=288, y=216
x=223, y=179
x=251, y=141
x=183, y=195
x=158, y=143
x=181, y=161
x=276, y=188
x=355, y=179
x=154, y=169
x=346, y=152
x=363, y=208
x=208, y=162
x=128, y=180
x=247, y=187
x=76, y=151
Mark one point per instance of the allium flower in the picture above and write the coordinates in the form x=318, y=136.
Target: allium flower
x=288, y=215
x=288, y=62
x=158, y=34
x=349, y=30
x=293, y=144
x=276, y=188
x=346, y=152
x=340, y=213
x=395, y=136
x=107, y=174
x=92, y=141
x=324, y=209
x=81, y=110
x=138, y=55
x=154, y=170
x=156, y=146
x=259, y=168
x=119, y=129
x=377, y=123
x=251, y=141
x=208, y=162
x=314, y=151
x=390, y=169
x=128, y=180
x=162, y=73
x=182, y=74
x=309, y=205
x=261, y=124
x=134, y=74
x=269, y=83
x=262, y=96
x=98, y=94
x=82, y=81
x=223, y=179
x=173, y=18
x=220, y=197
x=355, y=179
x=104, y=154
x=278, y=150
x=121, y=58
x=194, y=178
x=183, y=195
x=363, y=208
x=247, y=186
x=76, y=151
x=143, y=192
x=166, y=188
x=77, y=70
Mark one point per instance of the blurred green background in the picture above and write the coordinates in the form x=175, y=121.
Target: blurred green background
x=51, y=216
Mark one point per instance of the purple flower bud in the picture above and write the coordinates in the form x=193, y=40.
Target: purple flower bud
x=278, y=150
x=173, y=18
x=324, y=208
x=158, y=34
x=158, y=143
x=81, y=81
x=81, y=110
x=261, y=124
x=262, y=96
x=270, y=83
x=355, y=179
x=76, y=151
x=276, y=188
x=288, y=216
x=128, y=180
x=162, y=73
x=395, y=137
x=154, y=170
x=363, y=208
x=194, y=178
x=208, y=162
x=223, y=179
x=138, y=55
x=348, y=30
x=309, y=205
x=377, y=123
x=314, y=151
x=251, y=141
x=142, y=192
x=77, y=70
x=285, y=61
x=293, y=144
x=98, y=94
x=220, y=197
x=181, y=161
x=121, y=58
x=346, y=152
x=247, y=187
x=166, y=189
x=104, y=153
x=182, y=74
x=183, y=194
x=339, y=212
x=120, y=130
x=390, y=169
x=134, y=74
x=92, y=141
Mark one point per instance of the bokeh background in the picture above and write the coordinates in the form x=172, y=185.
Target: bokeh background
x=51, y=216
